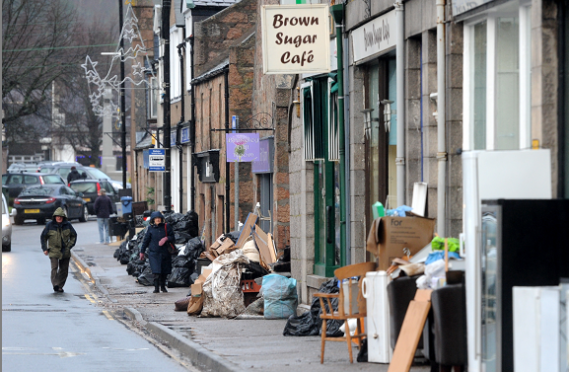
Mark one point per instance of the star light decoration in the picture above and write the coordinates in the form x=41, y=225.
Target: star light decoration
x=139, y=71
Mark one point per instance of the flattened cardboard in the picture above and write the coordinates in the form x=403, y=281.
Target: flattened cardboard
x=272, y=250
x=261, y=239
x=196, y=288
x=246, y=231
x=393, y=234
x=226, y=247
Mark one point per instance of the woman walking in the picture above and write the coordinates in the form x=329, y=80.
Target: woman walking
x=158, y=236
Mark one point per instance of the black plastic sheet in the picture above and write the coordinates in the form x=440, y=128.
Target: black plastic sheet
x=309, y=323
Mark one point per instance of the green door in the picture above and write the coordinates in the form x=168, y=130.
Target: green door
x=327, y=250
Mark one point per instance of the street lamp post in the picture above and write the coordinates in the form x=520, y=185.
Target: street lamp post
x=123, y=108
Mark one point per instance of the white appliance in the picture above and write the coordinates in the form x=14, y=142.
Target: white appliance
x=536, y=329
x=374, y=290
x=519, y=174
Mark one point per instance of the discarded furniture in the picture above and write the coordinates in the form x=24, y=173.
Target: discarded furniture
x=345, y=311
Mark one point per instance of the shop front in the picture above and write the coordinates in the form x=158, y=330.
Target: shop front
x=373, y=46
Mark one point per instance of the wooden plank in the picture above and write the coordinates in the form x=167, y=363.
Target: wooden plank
x=410, y=333
x=272, y=249
x=423, y=295
x=246, y=231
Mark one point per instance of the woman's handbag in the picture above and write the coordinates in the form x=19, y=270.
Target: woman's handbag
x=169, y=245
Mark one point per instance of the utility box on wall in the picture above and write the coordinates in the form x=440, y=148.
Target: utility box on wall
x=207, y=164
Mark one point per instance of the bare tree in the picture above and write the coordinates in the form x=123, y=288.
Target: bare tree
x=37, y=49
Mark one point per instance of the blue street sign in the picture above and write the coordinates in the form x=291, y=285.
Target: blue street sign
x=185, y=135
x=157, y=160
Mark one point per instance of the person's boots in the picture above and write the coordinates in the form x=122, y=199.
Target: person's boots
x=163, y=283
x=156, y=290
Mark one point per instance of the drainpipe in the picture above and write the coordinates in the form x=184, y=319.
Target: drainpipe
x=338, y=14
x=227, y=185
x=400, y=79
x=192, y=127
x=165, y=30
x=179, y=126
x=441, y=119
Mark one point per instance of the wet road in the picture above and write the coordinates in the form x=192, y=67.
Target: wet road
x=47, y=331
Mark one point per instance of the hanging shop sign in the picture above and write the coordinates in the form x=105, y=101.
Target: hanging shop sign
x=375, y=37
x=462, y=6
x=173, y=137
x=207, y=164
x=266, y=157
x=295, y=38
x=157, y=160
x=242, y=147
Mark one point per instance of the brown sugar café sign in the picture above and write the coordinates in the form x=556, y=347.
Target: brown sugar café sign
x=296, y=39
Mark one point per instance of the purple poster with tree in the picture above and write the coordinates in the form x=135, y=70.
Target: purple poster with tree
x=242, y=147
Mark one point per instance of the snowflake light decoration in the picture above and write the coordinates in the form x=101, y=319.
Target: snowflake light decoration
x=137, y=77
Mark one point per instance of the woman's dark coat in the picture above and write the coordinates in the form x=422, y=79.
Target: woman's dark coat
x=160, y=258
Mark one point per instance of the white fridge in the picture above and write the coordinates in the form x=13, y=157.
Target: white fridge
x=521, y=174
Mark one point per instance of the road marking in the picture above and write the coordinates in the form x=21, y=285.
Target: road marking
x=59, y=352
x=108, y=315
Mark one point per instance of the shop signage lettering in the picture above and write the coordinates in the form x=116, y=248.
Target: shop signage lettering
x=462, y=6
x=374, y=37
x=293, y=38
x=242, y=147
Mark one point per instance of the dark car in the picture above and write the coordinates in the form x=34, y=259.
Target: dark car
x=90, y=190
x=39, y=202
x=14, y=183
x=88, y=173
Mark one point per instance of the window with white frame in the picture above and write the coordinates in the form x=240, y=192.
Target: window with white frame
x=497, y=79
x=175, y=80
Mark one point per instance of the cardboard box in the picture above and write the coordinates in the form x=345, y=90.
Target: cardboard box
x=389, y=236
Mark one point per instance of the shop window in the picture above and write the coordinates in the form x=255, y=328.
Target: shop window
x=497, y=80
x=312, y=123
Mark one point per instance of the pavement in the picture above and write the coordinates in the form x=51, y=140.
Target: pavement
x=210, y=344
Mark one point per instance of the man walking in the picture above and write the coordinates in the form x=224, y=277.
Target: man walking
x=103, y=208
x=57, y=239
x=73, y=175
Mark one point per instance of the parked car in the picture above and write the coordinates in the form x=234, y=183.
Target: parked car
x=6, y=227
x=90, y=190
x=22, y=167
x=39, y=202
x=14, y=183
x=63, y=169
x=51, y=166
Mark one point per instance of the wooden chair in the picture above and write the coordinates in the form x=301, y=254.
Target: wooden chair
x=342, y=273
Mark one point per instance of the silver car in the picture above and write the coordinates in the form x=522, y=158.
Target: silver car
x=6, y=227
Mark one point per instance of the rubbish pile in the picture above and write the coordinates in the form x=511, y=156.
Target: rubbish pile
x=184, y=264
x=309, y=323
x=239, y=277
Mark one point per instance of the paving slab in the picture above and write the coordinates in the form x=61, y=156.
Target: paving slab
x=214, y=344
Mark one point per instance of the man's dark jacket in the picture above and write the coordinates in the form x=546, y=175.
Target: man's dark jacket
x=57, y=238
x=73, y=175
x=103, y=206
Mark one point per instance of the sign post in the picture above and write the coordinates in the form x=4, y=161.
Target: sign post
x=234, y=125
x=157, y=160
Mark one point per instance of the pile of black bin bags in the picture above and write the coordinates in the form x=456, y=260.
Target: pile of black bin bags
x=309, y=323
x=183, y=265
